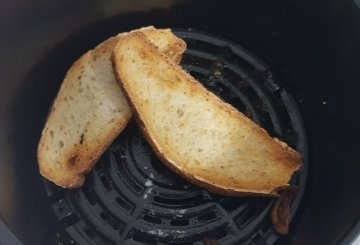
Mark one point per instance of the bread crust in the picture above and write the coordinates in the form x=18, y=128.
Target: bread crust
x=84, y=157
x=289, y=159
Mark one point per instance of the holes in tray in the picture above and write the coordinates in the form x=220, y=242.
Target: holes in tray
x=238, y=104
x=197, y=74
x=179, y=222
x=116, y=226
x=291, y=138
x=152, y=219
x=253, y=98
x=250, y=213
x=231, y=204
x=217, y=87
x=124, y=173
x=88, y=194
x=91, y=234
x=144, y=239
x=209, y=216
x=215, y=235
x=181, y=202
x=124, y=204
x=242, y=218
x=289, y=131
x=203, y=46
x=104, y=216
x=198, y=61
x=106, y=183
x=157, y=164
x=114, y=223
x=265, y=119
x=70, y=220
x=233, y=77
x=56, y=196
x=222, y=233
x=225, y=52
x=266, y=226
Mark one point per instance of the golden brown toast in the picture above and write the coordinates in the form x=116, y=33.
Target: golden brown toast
x=90, y=111
x=194, y=132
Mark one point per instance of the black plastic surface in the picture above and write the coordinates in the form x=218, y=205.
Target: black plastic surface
x=311, y=46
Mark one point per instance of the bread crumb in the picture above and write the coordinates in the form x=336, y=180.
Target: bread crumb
x=148, y=183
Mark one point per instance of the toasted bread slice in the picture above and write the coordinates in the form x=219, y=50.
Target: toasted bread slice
x=195, y=133
x=90, y=111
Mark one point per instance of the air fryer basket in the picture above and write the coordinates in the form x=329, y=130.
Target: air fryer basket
x=290, y=66
x=131, y=197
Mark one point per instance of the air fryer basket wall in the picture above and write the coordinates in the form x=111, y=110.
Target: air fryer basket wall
x=311, y=48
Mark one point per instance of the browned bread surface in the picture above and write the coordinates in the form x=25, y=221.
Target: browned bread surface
x=90, y=111
x=195, y=133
